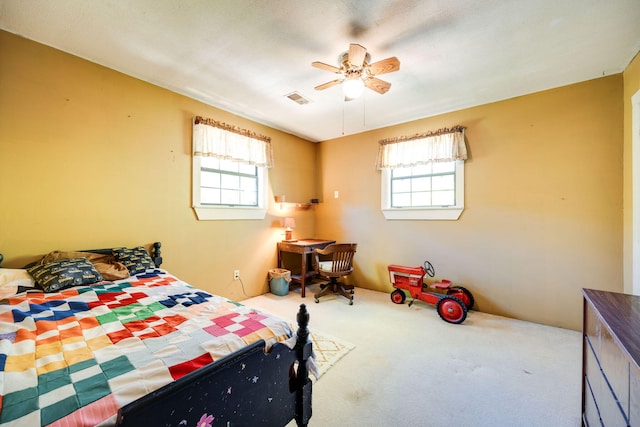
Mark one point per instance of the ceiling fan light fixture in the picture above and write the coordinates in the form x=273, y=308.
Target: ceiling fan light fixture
x=357, y=72
x=353, y=87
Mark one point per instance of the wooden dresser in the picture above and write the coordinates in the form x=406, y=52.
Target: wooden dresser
x=610, y=356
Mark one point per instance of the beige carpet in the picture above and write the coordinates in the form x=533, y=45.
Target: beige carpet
x=410, y=368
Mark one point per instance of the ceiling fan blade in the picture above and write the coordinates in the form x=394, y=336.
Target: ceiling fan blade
x=357, y=54
x=328, y=84
x=377, y=85
x=388, y=65
x=326, y=67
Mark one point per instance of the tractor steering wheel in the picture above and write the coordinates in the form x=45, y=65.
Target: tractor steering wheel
x=430, y=270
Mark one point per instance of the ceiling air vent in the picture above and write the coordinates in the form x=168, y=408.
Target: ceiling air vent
x=296, y=97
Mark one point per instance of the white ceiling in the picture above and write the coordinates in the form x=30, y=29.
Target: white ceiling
x=244, y=56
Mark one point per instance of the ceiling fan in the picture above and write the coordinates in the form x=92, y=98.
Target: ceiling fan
x=356, y=72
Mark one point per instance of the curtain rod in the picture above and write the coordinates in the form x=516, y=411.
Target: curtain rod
x=231, y=128
x=441, y=131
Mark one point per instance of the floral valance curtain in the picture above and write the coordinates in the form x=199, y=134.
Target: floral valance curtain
x=443, y=145
x=216, y=139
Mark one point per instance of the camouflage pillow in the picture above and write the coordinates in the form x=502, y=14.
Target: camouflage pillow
x=64, y=273
x=137, y=260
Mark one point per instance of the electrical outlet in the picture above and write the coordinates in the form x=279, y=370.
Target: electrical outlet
x=236, y=274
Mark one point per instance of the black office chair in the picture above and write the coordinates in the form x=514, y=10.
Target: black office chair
x=333, y=262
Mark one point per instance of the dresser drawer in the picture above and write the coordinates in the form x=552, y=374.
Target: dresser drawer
x=615, y=366
x=607, y=406
x=634, y=398
x=592, y=327
x=613, y=363
x=590, y=417
x=591, y=364
x=592, y=380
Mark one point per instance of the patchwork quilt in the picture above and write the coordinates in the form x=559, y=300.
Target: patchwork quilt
x=73, y=357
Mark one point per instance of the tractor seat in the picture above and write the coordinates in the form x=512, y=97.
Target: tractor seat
x=443, y=284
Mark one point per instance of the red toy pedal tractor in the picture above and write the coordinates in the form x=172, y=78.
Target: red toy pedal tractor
x=452, y=302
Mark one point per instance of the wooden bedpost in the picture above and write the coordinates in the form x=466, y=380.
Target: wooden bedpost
x=303, y=353
x=157, y=255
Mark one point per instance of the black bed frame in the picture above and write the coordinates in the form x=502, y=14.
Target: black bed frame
x=250, y=387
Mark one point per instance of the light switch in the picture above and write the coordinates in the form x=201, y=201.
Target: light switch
x=336, y=194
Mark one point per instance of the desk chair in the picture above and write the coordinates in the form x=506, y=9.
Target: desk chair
x=333, y=262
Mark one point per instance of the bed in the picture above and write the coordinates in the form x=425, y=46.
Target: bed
x=136, y=346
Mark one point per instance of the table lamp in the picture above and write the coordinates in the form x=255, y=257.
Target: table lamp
x=289, y=225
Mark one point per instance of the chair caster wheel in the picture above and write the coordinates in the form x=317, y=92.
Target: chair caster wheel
x=350, y=302
x=317, y=300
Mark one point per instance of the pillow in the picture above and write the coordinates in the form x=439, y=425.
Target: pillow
x=64, y=273
x=13, y=281
x=9, y=276
x=137, y=260
x=106, y=264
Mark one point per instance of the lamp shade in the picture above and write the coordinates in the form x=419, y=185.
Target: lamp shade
x=289, y=224
x=353, y=87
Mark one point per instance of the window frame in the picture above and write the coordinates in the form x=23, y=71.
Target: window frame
x=228, y=212
x=451, y=213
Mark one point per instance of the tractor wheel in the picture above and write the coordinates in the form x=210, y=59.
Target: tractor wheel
x=462, y=294
x=398, y=296
x=451, y=309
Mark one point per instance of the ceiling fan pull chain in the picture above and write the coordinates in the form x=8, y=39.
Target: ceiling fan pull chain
x=343, y=119
x=364, y=110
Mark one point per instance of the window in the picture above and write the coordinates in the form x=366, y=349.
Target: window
x=228, y=183
x=423, y=175
x=224, y=189
x=229, y=171
x=432, y=191
x=429, y=185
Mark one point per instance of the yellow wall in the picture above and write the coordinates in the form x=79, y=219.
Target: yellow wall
x=91, y=158
x=543, y=214
x=631, y=78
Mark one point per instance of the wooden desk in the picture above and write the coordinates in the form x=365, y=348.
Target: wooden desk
x=304, y=247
